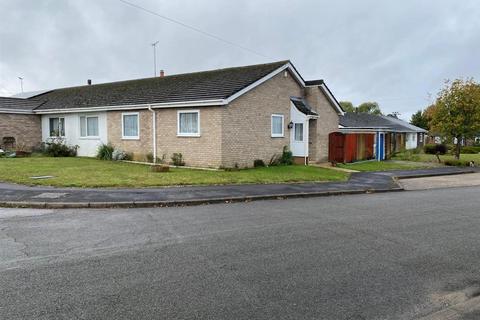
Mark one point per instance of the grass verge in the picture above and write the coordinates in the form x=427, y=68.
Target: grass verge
x=382, y=165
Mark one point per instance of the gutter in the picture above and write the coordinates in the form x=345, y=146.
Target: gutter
x=154, y=133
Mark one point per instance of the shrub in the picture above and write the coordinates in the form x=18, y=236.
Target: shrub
x=274, y=160
x=119, y=154
x=435, y=149
x=57, y=147
x=258, y=163
x=177, y=159
x=457, y=163
x=470, y=150
x=287, y=156
x=105, y=152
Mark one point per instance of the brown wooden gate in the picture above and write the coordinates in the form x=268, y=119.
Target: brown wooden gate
x=336, y=145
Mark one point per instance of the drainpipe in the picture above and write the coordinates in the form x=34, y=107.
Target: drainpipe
x=154, y=132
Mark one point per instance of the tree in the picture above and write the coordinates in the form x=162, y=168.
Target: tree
x=366, y=107
x=419, y=119
x=457, y=111
x=347, y=106
x=369, y=107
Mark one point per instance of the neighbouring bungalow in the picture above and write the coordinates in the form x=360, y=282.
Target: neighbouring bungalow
x=219, y=118
x=363, y=136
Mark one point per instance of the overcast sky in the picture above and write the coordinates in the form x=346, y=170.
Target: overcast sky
x=395, y=52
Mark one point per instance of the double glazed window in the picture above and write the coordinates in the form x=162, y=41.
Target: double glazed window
x=277, y=125
x=298, y=134
x=188, y=123
x=130, y=125
x=57, y=127
x=88, y=126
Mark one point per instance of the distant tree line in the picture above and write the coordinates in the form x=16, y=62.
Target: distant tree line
x=366, y=107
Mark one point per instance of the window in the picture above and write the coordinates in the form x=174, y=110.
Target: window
x=298, y=136
x=188, y=123
x=88, y=126
x=420, y=137
x=130, y=125
x=57, y=127
x=277, y=125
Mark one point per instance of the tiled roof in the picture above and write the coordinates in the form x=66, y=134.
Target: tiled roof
x=18, y=104
x=207, y=85
x=303, y=106
x=353, y=120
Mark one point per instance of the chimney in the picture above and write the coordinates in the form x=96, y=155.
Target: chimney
x=89, y=82
x=162, y=73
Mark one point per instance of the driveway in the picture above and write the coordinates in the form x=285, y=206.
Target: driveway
x=379, y=256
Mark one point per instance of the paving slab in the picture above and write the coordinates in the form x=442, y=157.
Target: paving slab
x=450, y=181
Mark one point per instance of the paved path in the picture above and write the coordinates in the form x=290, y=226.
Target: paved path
x=441, y=182
x=361, y=182
x=388, y=256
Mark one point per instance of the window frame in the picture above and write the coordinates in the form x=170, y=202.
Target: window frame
x=86, y=136
x=277, y=135
x=50, y=129
x=188, y=134
x=295, y=131
x=124, y=137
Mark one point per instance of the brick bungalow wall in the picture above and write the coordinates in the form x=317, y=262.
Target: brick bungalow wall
x=246, y=122
x=326, y=123
x=26, y=129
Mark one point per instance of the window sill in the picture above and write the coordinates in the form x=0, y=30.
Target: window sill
x=186, y=135
x=130, y=138
x=277, y=136
x=89, y=138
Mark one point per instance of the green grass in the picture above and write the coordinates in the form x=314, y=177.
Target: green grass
x=381, y=165
x=87, y=172
x=465, y=157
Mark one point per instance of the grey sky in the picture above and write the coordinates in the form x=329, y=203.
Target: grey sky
x=393, y=52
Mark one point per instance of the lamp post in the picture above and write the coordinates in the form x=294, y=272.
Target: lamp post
x=154, y=45
x=21, y=83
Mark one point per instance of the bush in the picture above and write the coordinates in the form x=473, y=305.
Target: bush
x=258, y=163
x=435, y=149
x=56, y=147
x=105, y=152
x=470, y=150
x=287, y=156
x=149, y=158
x=457, y=163
x=177, y=159
x=119, y=154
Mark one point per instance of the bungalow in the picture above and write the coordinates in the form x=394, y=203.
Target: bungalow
x=363, y=136
x=219, y=118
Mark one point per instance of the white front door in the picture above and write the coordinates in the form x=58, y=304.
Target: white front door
x=298, y=132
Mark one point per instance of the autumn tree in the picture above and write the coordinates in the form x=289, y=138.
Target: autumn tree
x=457, y=111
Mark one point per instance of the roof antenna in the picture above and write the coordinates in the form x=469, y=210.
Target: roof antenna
x=154, y=45
x=21, y=83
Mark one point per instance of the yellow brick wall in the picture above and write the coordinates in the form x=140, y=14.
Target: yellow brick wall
x=26, y=129
x=247, y=122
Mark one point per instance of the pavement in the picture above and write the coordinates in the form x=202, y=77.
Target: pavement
x=441, y=182
x=388, y=256
x=12, y=195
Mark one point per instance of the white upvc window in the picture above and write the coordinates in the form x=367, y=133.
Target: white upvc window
x=277, y=126
x=130, y=125
x=57, y=127
x=420, y=136
x=89, y=127
x=188, y=123
x=298, y=133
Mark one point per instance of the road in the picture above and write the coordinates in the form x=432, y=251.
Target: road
x=396, y=255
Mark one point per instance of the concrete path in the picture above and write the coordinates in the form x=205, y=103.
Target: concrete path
x=468, y=180
x=48, y=197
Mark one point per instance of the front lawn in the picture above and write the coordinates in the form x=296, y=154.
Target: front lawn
x=464, y=157
x=382, y=165
x=87, y=172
